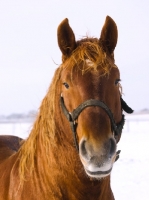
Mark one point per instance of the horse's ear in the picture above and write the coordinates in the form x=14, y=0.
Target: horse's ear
x=66, y=38
x=109, y=35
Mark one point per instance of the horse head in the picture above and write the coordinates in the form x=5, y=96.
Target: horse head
x=90, y=96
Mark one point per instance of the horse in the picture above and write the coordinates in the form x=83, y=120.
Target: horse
x=72, y=147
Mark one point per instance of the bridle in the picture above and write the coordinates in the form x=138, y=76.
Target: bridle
x=72, y=116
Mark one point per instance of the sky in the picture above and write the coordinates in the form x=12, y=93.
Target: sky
x=29, y=53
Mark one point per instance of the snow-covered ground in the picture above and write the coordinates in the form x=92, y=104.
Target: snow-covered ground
x=130, y=175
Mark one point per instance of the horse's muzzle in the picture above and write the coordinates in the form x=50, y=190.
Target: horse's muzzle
x=98, y=162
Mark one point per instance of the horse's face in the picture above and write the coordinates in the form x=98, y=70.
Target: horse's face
x=97, y=145
x=82, y=82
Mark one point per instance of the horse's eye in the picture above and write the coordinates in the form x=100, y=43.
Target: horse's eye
x=66, y=85
x=117, y=81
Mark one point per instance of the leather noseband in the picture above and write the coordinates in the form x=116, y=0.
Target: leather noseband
x=71, y=117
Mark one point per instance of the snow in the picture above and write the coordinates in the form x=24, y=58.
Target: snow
x=130, y=176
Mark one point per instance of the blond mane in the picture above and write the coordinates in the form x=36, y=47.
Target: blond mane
x=43, y=130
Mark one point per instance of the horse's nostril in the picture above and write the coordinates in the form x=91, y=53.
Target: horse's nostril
x=83, y=148
x=112, y=147
x=84, y=152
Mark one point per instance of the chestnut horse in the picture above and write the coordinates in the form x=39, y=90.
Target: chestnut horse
x=71, y=149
